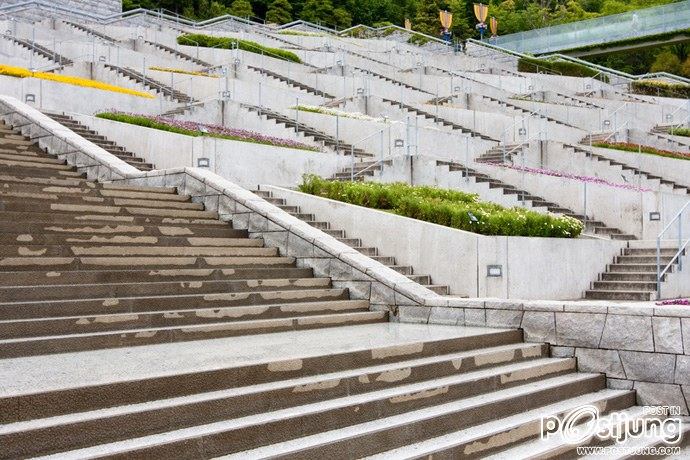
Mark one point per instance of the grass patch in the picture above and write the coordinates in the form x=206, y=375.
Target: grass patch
x=570, y=69
x=189, y=128
x=209, y=41
x=450, y=208
x=635, y=148
x=660, y=88
x=21, y=72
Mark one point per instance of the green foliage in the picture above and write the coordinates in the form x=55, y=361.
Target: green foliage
x=635, y=148
x=450, y=208
x=341, y=18
x=417, y=39
x=318, y=11
x=279, y=12
x=681, y=132
x=241, y=8
x=660, y=88
x=570, y=69
x=666, y=62
x=210, y=41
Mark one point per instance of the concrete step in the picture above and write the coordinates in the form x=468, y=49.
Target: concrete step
x=43, y=277
x=24, y=201
x=116, y=262
x=101, y=229
x=38, y=207
x=634, y=268
x=136, y=251
x=642, y=259
x=619, y=285
x=179, y=412
x=629, y=276
x=57, y=291
x=14, y=348
x=262, y=367
x=380, y=410
x=72, y=215
x=642, y=296
x=31, y=241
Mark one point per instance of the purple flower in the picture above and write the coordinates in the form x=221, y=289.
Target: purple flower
x=588, y=179
x=674, y=302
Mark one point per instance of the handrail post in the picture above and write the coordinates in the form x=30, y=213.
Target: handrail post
x=680, y=242
x=658, y=267
x=352, y=163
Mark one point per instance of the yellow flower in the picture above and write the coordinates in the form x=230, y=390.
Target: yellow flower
x=187, y=72
x=21, y=72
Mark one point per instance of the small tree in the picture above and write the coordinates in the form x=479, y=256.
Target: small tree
x=341, y=18
x=317, y=11
x=241, y=8
x=666, y=62
x=427, y=20
x=279, y=12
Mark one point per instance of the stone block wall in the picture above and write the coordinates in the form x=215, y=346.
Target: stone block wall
x=638, y=346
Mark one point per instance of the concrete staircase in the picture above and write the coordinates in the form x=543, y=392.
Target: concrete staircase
x=436, y=119
x=178, y=54
x=102, y=141
x=594, y=227
x=329, y=141
x=522, y=111
x=500, y=154
x=626, y=167
x=151, y=84
x=34, y=47
x=136, y=324
x=390, y=80
x=89, y=31
x=290, y=82
x=355, y=243
x=632, y=275
x=113, y=266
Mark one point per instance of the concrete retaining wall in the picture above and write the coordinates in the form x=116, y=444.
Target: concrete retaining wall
x=460, y=259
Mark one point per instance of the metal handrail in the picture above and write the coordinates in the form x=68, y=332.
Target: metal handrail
x=352, y=152
x=677, y=256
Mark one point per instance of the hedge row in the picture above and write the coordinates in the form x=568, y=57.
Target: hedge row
x=209, y=41
x=635, y=148
x=660, y=88
x=570, y=69
x=450, y=208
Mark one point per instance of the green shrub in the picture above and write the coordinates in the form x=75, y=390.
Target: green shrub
x=417, y=39
x=570, y=69
x=635, y=148
x=210, y=41
x=660, y=88
x=681, y=132
x=450, y=208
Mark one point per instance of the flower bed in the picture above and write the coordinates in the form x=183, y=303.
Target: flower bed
x=182, y=71
x=660, y=88
x=21, y=72
x=674, y=302
x=588, y=179
x=191, y=128
x=209, y=41
x=334, y=112
x=635, y=148
x=450, y=208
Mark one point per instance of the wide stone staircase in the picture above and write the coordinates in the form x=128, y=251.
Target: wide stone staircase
x=355, y=243
x=136, y=324
x=151, y=84
x=101, y=141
